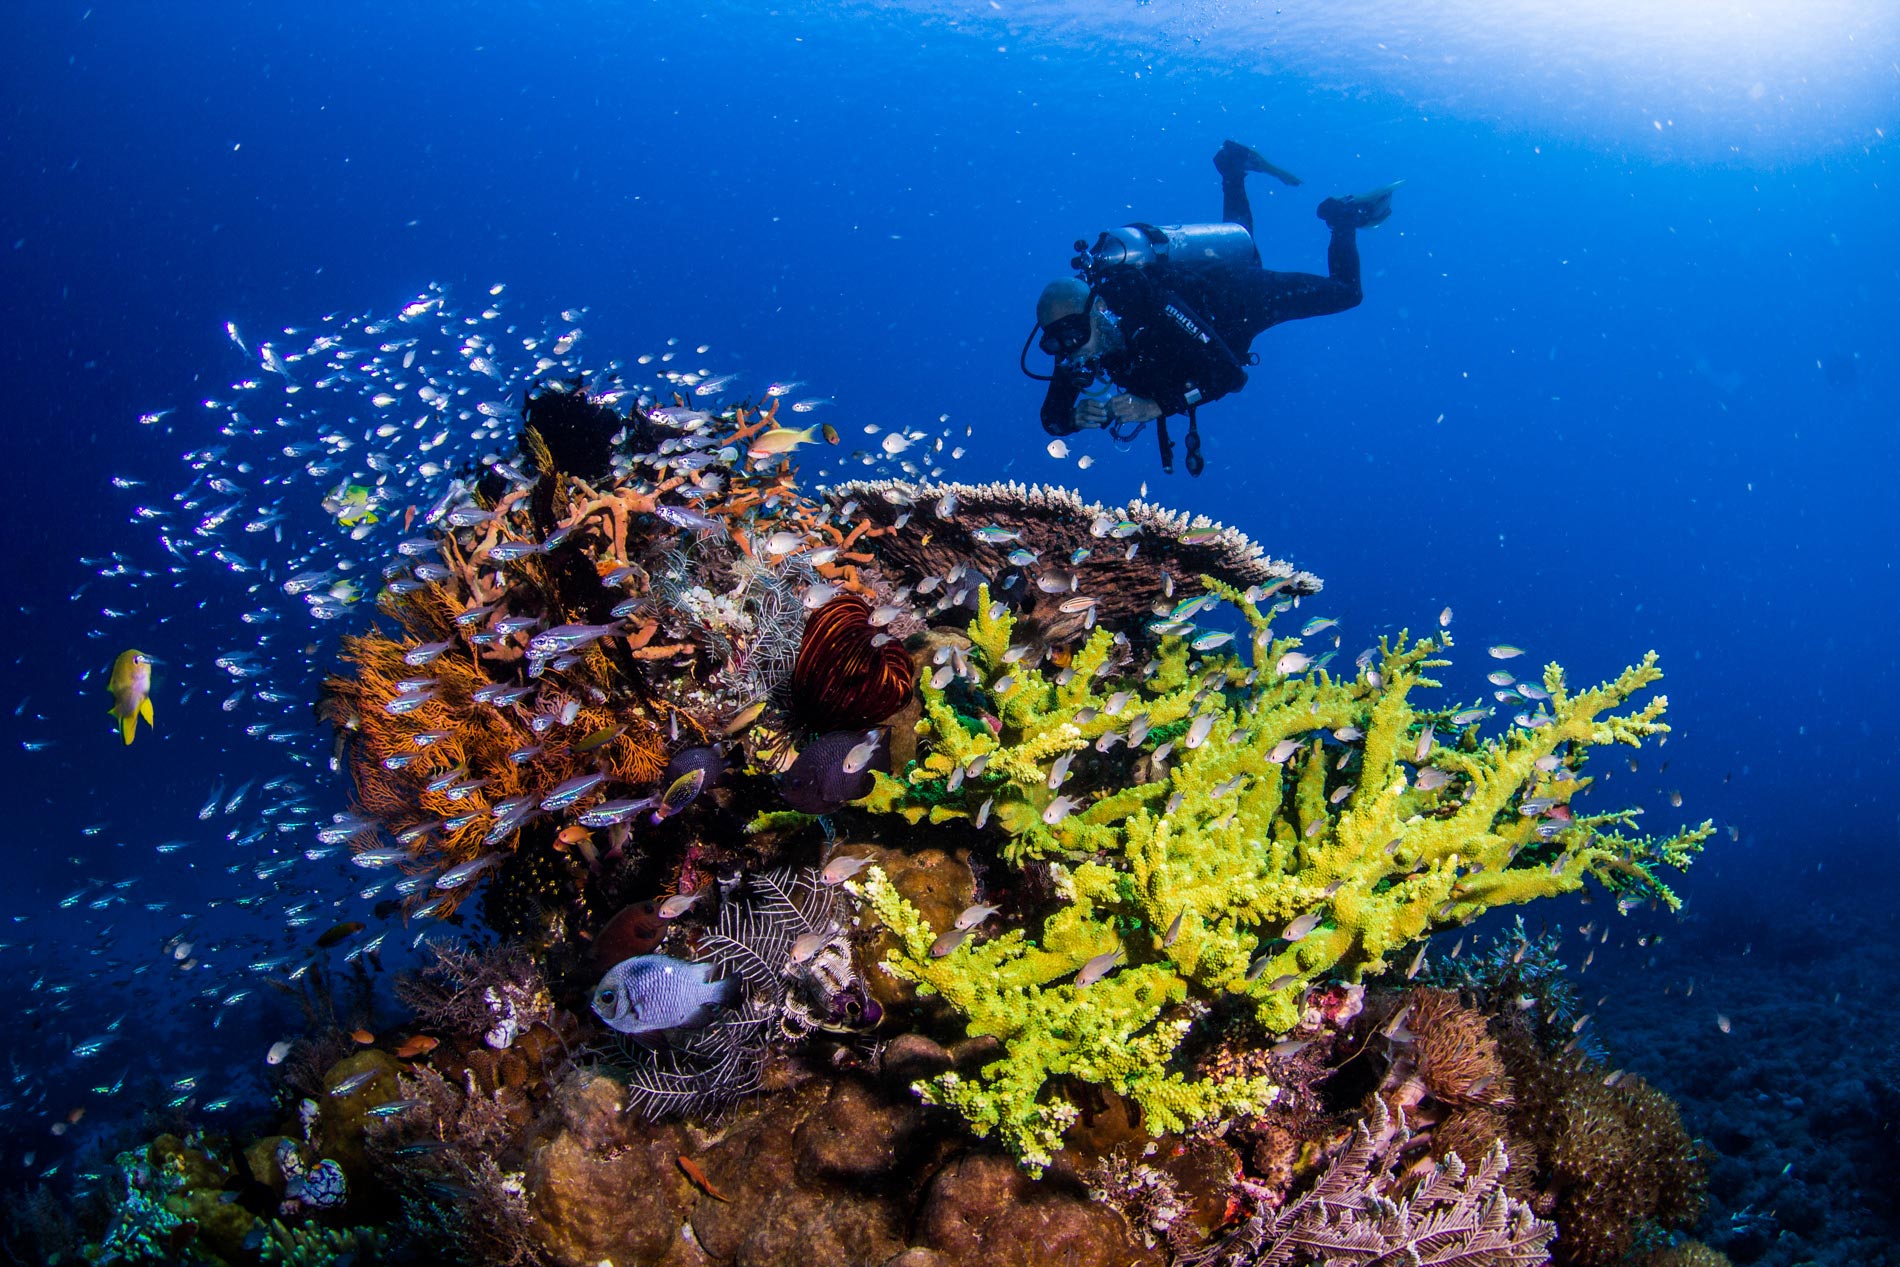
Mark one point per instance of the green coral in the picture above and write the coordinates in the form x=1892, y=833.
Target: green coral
x=1274, y=790
x=310, y=1245
x=143, y=1229
x=174, y=1208
x=1111, y=1031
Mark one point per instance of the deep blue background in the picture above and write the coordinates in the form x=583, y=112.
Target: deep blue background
x=1585, y=403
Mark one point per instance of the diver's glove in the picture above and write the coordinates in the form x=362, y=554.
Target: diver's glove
x=1359, y=211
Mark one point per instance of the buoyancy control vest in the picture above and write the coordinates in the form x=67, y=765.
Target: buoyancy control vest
x=1171, y=354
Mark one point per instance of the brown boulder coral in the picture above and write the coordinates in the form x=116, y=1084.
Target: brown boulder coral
x=839, y=1172
x=1614, y=1160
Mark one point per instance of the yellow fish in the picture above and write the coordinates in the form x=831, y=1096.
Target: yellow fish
x=350, y=505
x=131, y=687
x=780, y=440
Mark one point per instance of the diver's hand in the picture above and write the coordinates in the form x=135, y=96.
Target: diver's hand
x=1091, y=412
x=1133, y=409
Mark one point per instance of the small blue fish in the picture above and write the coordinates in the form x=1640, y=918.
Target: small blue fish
x=457, y=876
x=565, y=794
x=609, y=813
x=647, y=995
x=689, y=520
x=565, y=638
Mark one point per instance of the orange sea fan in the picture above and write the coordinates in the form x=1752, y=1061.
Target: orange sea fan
x=843, y=680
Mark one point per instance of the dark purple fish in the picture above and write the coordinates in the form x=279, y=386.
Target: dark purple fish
x=817, y=783
x=705, y=759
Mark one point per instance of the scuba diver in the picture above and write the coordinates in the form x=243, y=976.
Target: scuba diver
x=1158, y=321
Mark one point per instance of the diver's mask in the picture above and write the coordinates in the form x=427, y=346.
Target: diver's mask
x=1063, y=336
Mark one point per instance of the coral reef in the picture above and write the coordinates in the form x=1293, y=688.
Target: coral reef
x=843, y=678
x=979, y=806
x=559, y=643
x=307, y=1246
x=1687, y=1254
x=1130, y=555
x=849, y=1170
x=185, y=1201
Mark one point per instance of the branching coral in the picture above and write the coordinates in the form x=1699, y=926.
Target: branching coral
x=169, y=1203
x=1291, y=825
x=478, y=992
x=443, y=1160
x=557, y=642
x=1111, y=1031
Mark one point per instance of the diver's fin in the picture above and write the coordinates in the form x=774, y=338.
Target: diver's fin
x=1359, y=211
x=1233, y=159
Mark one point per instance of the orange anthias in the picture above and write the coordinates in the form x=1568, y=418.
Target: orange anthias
x=700, y=1181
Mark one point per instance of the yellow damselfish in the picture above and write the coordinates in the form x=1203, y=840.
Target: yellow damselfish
x=131, y=687
x=350, y=504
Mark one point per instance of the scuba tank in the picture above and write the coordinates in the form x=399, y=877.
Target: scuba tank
x=1183, y=245
x=1137, y=262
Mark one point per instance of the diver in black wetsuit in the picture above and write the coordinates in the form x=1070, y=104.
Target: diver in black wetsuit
x=1161, y=319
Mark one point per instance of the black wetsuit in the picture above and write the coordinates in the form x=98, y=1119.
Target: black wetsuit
x=1183, y=358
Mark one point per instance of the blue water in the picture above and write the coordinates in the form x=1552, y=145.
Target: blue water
x=1623, y=379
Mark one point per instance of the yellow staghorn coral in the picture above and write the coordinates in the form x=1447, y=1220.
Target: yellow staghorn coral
x=1281, y=823
x=1111, y=1031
